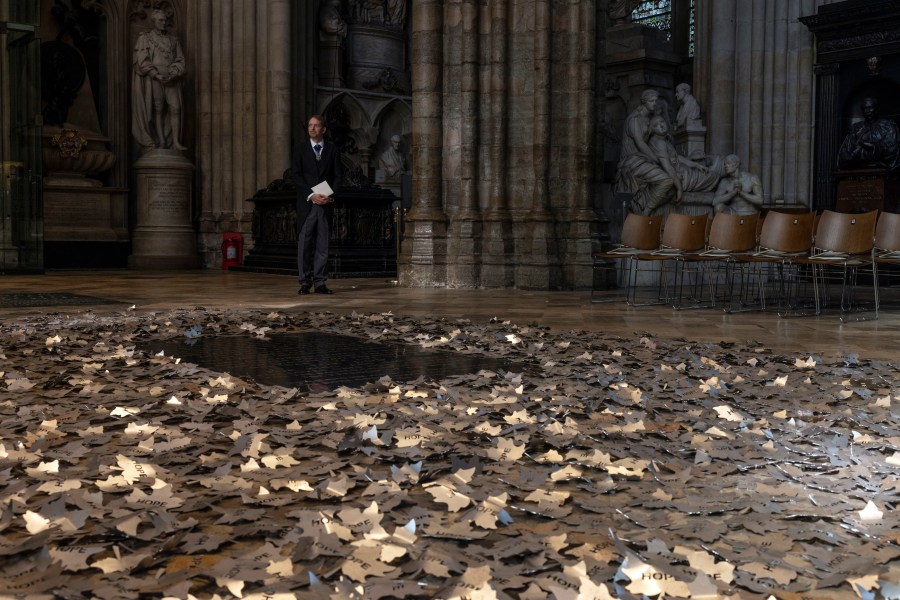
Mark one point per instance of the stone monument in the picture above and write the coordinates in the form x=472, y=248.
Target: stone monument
x=164, y=237
x=690, y=134
x=81, y=211
x=868, y=162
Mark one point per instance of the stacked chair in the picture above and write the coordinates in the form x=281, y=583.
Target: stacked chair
x=730, y=246
x=783, y=239
x=640, y=234
x=843, y=249
x=683, y=237
x=749, y=262
x=887, y=242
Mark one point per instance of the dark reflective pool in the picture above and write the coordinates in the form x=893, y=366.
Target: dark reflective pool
x=317, y=361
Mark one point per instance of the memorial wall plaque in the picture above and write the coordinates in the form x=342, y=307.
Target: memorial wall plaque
x=865, y=190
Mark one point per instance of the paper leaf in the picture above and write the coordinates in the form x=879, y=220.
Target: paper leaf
x=492, y=510
x=74, y=558
x=118, y=563
x=870, y=513
x=133, y=471
x=363, y=563
x=506, y=451
x=281, y=568
x=454, y=500
x=646, y=579
x=35, y=523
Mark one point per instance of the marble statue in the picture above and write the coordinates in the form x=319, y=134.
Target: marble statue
x=687, y=175
x=638, y=171
x=689, y=109
x=651, y=169
x=159, y=67
x=393, y=160
x=739, y=192
x=873, y=143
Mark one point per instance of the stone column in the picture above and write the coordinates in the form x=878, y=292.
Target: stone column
x=462, y=147
x=423, y=262
x=578, y=166
x=538, y=241
x=498, y=252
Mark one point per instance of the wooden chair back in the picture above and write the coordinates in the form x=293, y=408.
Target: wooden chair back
x=791, y=233
x=853, y=233
x=641, y=232
x=734, y=233
x=685, y=232
x=887, y=232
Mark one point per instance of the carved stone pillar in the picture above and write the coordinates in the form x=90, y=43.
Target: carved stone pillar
x=538, y=239
x=504, y=114
x=498, y=251
x=462, y=120
x=424, y=260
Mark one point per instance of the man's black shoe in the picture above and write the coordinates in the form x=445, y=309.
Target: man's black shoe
x=304, y=289
x=321, y=289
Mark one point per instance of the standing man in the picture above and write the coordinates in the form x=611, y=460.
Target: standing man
x=315, y=162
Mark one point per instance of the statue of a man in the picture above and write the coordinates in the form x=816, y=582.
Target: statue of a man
x=159, y=67
x=393, y=161
x=871, y=143
x=739, y=192
x=689, y=109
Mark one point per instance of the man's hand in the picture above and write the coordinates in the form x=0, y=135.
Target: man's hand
x=320, y=199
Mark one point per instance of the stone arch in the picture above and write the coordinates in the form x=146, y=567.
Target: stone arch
x=349, y=126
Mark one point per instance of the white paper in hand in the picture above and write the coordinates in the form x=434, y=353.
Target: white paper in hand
x=324, y=189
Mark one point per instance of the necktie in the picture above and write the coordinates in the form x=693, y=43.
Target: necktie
x=318, y=149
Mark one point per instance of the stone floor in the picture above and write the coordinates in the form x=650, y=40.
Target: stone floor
x=635, y=453
x=560, y=311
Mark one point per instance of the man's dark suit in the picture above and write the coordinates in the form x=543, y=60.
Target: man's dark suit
x=312, y=236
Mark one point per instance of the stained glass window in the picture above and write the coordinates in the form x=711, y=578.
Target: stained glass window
x=658, y=14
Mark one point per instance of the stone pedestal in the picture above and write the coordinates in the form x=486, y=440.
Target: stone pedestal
x=164, y=237
x=867, y=189
x=691, y=141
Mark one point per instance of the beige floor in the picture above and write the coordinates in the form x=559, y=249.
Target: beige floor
x=823, y=335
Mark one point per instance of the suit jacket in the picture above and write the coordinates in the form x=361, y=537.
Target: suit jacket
x=309, y=172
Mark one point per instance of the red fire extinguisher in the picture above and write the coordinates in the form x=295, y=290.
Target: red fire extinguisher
x=232, y=249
